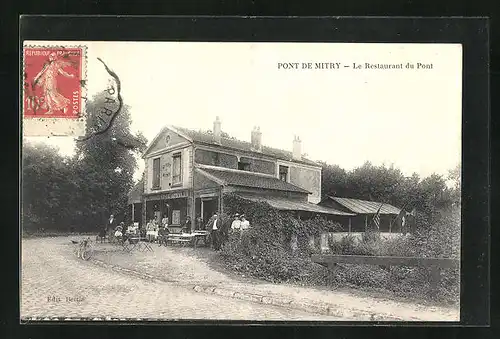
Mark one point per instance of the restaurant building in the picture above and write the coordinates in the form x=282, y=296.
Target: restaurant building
x=188, y=171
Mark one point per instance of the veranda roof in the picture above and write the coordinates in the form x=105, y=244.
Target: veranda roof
x=292, y=205
x=364, y=206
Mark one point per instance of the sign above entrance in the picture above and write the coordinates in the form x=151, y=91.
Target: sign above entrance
x=168, y=196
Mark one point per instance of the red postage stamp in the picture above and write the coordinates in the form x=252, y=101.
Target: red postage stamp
x=53, y=90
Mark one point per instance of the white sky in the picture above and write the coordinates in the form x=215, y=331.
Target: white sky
x=411, y=118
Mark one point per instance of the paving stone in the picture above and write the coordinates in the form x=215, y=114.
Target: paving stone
x=54, y=283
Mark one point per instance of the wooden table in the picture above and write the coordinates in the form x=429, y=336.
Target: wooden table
x=188, y=238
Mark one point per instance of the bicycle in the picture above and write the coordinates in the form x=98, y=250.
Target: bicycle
x=84, y=250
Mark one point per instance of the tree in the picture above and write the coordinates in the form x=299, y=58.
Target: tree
x=377, y=183
x=455, y=180
x=434, y=195
x=333, y=180
x=105, y=163
x=47, y=187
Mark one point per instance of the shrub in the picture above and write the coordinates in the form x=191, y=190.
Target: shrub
x=264, y=252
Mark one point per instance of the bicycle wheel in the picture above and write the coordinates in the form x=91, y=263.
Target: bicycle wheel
x=87, y=253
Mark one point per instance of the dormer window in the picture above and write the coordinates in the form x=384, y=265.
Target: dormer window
x=243, y=166
x=283, y=173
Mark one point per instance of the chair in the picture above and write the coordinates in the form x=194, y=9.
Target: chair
x=163, y=237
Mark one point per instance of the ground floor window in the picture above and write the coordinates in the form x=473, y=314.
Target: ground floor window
x=174, y=209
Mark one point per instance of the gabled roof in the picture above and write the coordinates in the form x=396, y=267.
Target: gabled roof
x=135, y=194
x=291, y=205
x=364, y=206
x=207, y=138
x=231, y=177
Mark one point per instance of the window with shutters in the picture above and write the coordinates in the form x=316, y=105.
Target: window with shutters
x=176, y=169
x=156, y=173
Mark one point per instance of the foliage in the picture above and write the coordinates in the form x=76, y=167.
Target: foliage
x=388, y=184
x=440, y=239
x=333, y=181
x=47, y=186
x=264, y=252
x=279, y=226
x=79, y=193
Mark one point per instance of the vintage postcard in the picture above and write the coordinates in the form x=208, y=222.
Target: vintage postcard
x=241, y=181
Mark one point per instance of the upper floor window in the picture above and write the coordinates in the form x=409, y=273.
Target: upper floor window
x=283, y=173
x=176, y=169
x=156, y=173
x=243, y=166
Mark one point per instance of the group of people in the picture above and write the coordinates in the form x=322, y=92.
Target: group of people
x=219, y=232
x=153, y=229
x=240, y=223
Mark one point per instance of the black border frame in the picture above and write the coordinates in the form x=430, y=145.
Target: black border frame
x=472, y=33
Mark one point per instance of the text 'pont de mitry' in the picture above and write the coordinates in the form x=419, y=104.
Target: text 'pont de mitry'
x=309, y=65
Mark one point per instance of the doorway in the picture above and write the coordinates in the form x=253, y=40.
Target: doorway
x=209, y=206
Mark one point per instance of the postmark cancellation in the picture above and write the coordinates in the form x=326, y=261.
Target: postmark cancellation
x=53, y=90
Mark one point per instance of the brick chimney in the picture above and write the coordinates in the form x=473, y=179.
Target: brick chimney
x=217, y=130
x=297, y=149
x=256, y=139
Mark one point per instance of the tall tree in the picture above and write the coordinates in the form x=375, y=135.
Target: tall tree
x=333, y=180
x=455, y=180
x=47, y=187
x=105, y=162
x=378, y=183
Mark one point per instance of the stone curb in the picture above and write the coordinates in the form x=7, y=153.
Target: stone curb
x=316, y=307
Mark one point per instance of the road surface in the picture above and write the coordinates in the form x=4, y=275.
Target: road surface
x=54, y=283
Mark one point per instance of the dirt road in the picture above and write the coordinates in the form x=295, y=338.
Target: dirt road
x=55, y=283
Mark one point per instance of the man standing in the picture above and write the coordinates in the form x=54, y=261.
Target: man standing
x=214, y=231
x=112, y=223
x=187, y=225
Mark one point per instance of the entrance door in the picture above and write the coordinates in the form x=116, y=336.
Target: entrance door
x=209, y=207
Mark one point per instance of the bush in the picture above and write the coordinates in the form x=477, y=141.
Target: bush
x=264, y=252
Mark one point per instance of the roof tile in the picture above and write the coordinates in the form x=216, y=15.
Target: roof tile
x=290, y=205
x=250, y=179
x=207, y=138
x=365, y=206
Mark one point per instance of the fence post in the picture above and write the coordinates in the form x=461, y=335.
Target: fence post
x=294, y=242
x=435, y=277
x=324, y=242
